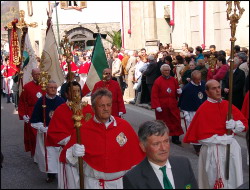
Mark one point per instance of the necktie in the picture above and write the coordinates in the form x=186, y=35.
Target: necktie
x=166, y=182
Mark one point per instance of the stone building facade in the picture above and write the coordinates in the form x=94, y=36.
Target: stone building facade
x=194, y=22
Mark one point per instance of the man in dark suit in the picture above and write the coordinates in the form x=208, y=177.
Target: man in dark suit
x=151, y=73
x=158, y=170
x=238, y=84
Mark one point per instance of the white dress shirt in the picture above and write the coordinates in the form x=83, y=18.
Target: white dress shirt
x=159, y=173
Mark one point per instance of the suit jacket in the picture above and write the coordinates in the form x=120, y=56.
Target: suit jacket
x=151, y=73
x=238, y=87
x=143, y=176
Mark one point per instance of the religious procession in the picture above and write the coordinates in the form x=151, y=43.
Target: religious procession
x=124, y=95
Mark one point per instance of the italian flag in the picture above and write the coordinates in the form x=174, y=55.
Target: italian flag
x=99, y=63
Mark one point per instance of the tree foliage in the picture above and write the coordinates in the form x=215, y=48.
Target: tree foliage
x=115, y=38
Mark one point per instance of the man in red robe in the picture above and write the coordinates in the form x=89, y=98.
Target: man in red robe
x=209, y=128
x=28, y=98
x=84, y=69
x=8, y=71
x=64, y=66
x=112, y=147
x=164, y=100
x=118, y=107
x=61, y=126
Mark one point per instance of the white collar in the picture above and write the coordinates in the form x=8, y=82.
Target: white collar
x=49, y=97
x=196, y=84
x=111, y=119
x=157, y=167
x=214, y=101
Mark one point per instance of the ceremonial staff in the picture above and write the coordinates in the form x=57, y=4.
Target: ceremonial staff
x=75, y=102
x=234, y=18
x=43, y=81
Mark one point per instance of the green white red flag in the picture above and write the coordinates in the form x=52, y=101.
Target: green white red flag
x=99, y=63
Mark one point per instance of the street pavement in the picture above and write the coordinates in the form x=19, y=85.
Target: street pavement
x=20, y=172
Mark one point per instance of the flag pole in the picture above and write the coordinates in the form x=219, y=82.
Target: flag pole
x=234, y=18
x=58, y=35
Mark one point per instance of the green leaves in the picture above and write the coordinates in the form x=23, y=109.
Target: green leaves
x=116, y=39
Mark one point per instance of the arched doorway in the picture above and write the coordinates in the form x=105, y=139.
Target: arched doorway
x=82, y=38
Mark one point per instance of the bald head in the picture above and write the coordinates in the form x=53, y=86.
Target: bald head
x=213, y=89
x=36, y=74
x=107, y=74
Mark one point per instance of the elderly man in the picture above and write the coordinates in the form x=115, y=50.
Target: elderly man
x=151, y=73
x=130, y=69
x=28, y=98
x=46, y=162
x=209, y=128
x=159, y=170
x=244, y=63
x=193, y=95
x=112, y=146
x=164, y=100
x=238, y=84
x=118, y=107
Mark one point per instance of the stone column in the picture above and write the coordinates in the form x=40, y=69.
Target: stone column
x=150, y=26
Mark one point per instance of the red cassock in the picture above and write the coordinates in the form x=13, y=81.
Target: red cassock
x=108, y=150
x=164, y=95
x=245, y=106
x=210, y=119
x=64, y=66
x=28, y=98
x=84, y=68
x=61, y=124
x=117, y=99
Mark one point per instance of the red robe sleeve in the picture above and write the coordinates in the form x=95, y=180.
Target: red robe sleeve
x=22, y=105
x=245, y=106
x=155, y=101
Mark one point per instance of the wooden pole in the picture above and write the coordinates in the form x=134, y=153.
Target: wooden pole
x=234, y=18
x=75, y=103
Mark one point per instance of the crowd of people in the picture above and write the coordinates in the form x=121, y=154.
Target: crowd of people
x=188, y=84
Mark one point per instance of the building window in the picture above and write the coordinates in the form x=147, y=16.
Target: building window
x=73, y=4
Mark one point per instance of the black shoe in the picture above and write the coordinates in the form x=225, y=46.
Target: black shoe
x=197, y=149
x=175, y=140
x=50, y=177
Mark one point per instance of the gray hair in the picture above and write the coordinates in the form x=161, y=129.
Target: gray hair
x=243, y=56
x=165, y=65
x=195, y=73
x=149, y=128
x=51, y=82
x=100, y=93
x=236, y=60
